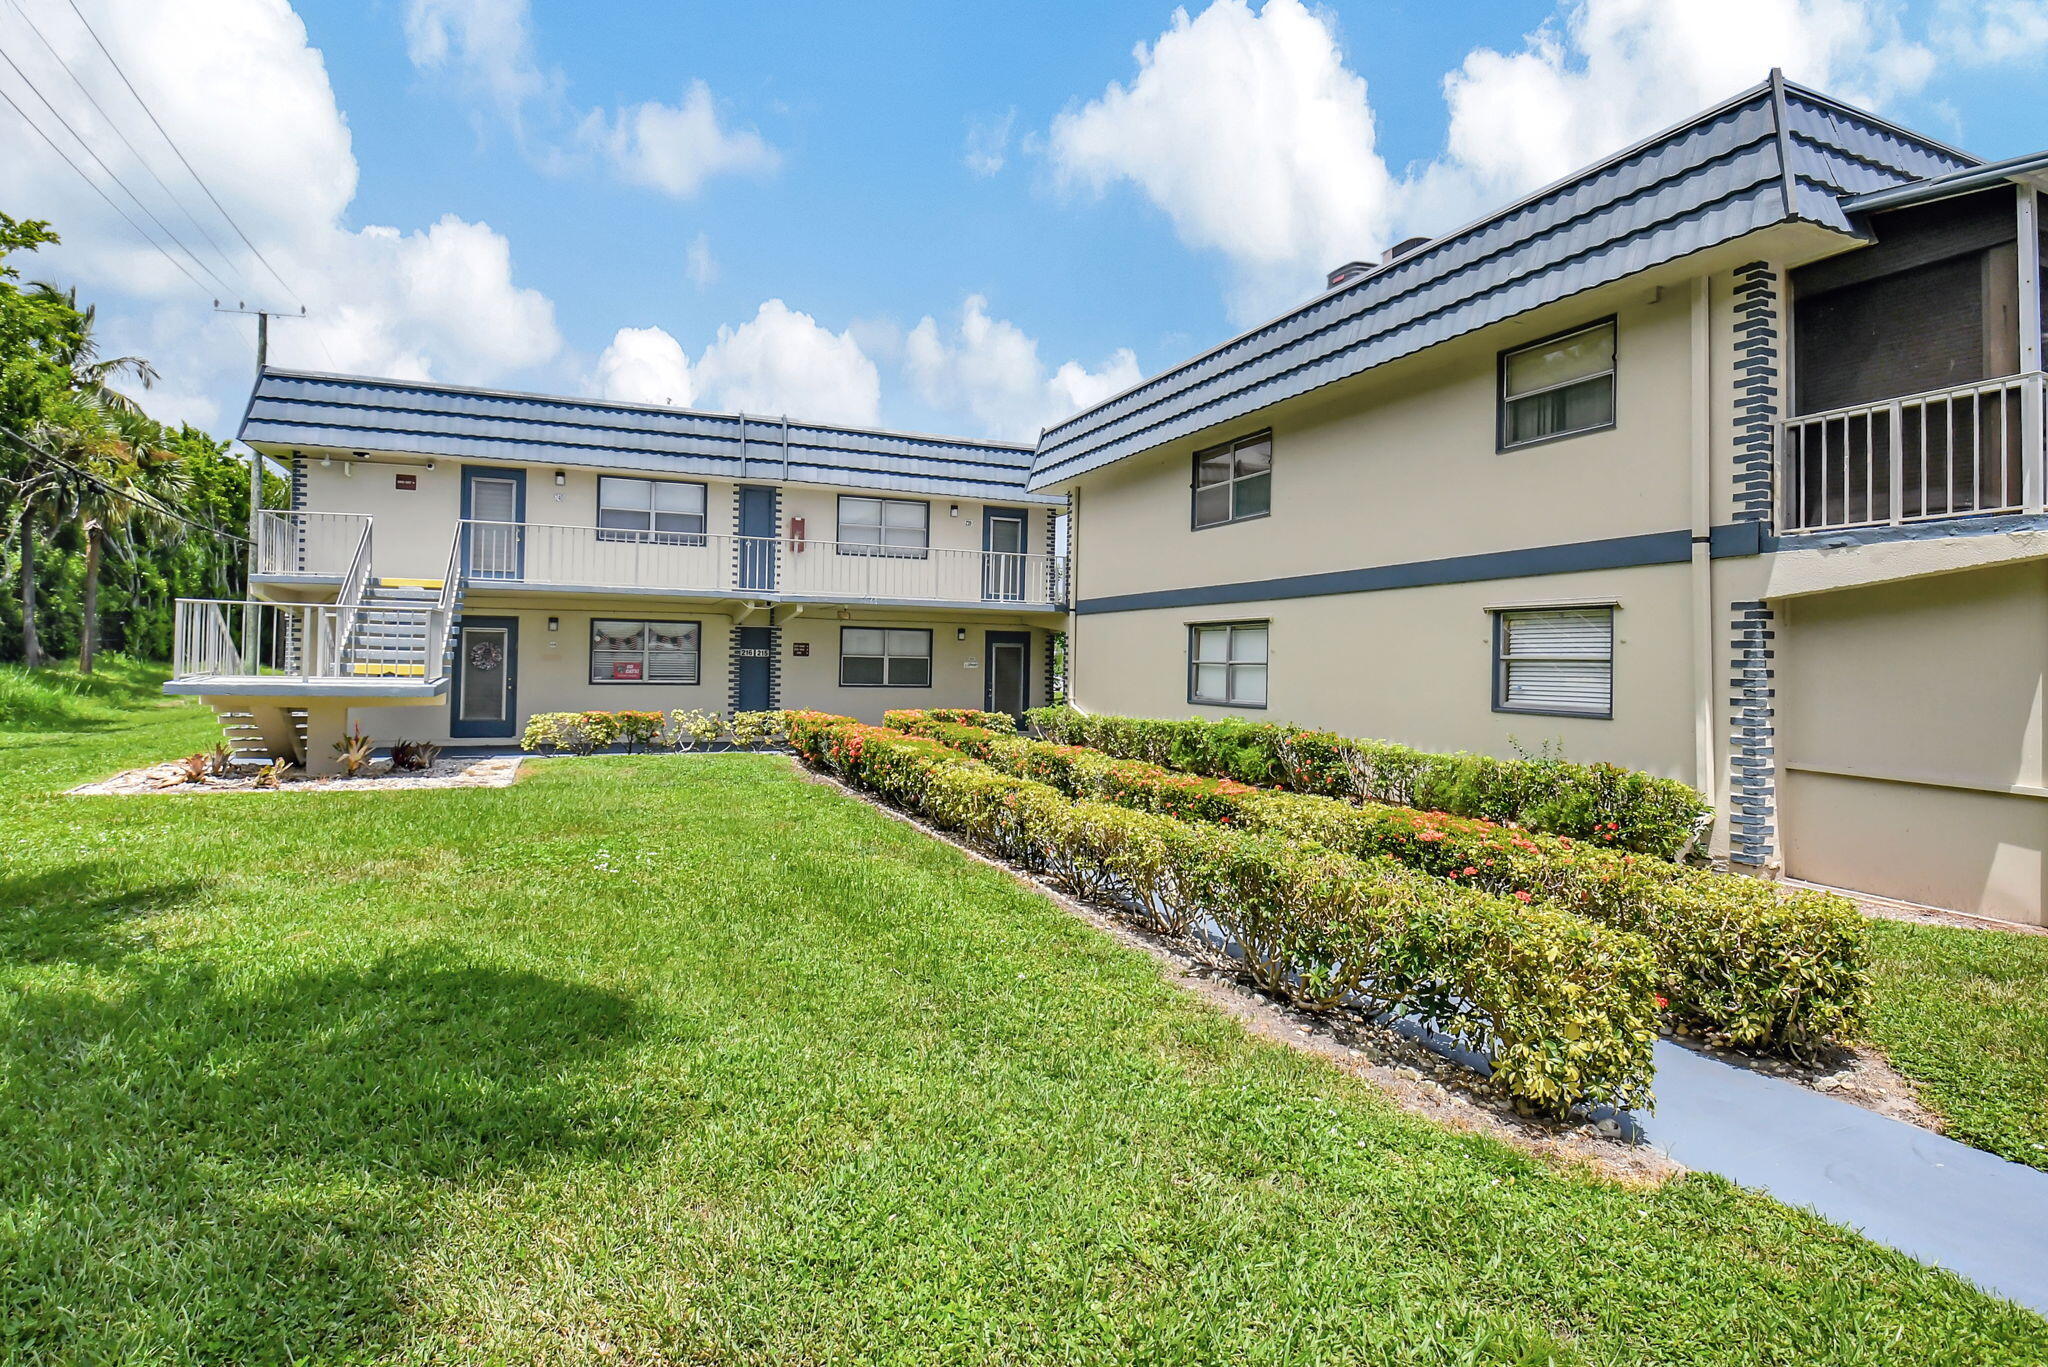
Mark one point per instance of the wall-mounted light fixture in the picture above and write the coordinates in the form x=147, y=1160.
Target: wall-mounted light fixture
x=959, y=633
x=554, y=624
x=953, y=510
x=326, y=462
x=561, y=477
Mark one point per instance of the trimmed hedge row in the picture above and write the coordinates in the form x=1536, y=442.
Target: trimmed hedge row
x=965, y=716
x=1735, y=958
x=1604, y=803
x=1565, y=1008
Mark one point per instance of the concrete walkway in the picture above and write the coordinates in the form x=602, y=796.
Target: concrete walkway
x=1944, y=1203
x=1933, y=1199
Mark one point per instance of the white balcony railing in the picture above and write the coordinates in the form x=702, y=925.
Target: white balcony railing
x=540, y=555
x=297, y=643
x=322, y=544
x=1971, y=451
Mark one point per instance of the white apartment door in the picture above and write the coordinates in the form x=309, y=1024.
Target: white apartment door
x=492, y=505
x=1002, y=574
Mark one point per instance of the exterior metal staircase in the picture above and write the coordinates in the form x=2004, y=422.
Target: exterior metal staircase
x=387, y=637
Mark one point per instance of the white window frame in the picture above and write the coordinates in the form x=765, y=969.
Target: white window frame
x=1504, y=661
x=879, y=547
x=647, y=652
x=649, y=532
x=1231, y=664
x=888, y=657
x=1233, y=483
x=1505, y=403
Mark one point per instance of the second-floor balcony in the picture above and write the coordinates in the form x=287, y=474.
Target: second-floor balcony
x=320, y=547
x=1975, y=450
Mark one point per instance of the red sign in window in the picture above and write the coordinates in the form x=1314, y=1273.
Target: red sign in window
x=626, y=669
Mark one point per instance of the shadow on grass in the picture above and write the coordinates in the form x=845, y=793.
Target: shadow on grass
x=77, y=914
x=239, y=1167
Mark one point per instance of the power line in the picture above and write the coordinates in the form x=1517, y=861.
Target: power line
x=66, y=156
x=180, y=155
x=151, y=504
x=133, y=150
x=79, y=138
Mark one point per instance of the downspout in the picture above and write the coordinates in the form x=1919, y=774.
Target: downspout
x=1706, y=775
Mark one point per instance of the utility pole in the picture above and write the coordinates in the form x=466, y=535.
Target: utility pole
x=263, y=317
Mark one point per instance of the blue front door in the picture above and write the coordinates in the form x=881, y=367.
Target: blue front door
x=756, y=649
x=484, y=700
x=757, y=545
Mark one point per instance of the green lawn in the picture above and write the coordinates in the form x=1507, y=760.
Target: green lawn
x=1965, y=1014
x=689, y=1060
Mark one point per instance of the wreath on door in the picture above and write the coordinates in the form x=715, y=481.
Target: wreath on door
x=484, y=656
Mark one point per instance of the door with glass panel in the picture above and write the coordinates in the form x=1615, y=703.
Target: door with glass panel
x=1002, y=556
x=493, y=508
x=1008, y=686
x=485, y=701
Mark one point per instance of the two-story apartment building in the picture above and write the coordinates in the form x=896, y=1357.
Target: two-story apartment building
x=1721, y=459
x=456, y=560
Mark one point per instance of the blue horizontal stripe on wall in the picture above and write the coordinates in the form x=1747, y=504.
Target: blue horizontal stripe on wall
x=1614, y=553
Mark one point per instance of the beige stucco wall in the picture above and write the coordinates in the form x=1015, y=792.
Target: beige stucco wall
x=1911, y=739
x=1415, y=665
x=553, y=667
x=413, y=527
x=1402, y=466
x=958, y=668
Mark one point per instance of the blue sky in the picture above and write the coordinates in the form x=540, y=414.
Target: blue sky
x=475, y=190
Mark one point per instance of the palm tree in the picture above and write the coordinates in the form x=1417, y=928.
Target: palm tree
x=90, y=374
x=135, y=486
x=75, y=434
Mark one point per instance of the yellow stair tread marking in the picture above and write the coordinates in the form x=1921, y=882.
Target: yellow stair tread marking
x=410, y=583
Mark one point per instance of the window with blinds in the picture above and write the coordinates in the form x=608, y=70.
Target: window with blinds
x=644, y=652
x=1558, y=388
x=885, y=657
x=1558, y=661
x=899, y=527
x=665, y=510
x=1227, y=663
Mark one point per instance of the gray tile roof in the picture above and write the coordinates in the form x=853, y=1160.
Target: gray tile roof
x=1774, y=154
x=300, y=409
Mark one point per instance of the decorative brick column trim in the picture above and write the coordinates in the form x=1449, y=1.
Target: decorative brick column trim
x=299, y=498
x=1752, y=787
x=1756, y=389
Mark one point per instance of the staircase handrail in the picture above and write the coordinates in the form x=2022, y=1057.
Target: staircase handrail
x=441, y=622
x=351, y=599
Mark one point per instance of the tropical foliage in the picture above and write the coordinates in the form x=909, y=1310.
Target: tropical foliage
x=110, y=516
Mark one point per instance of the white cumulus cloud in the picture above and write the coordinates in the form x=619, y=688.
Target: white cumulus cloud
x=248, y=101
x=675, y=148
x=1247, y=127
x=1249, y=130
x=782, y=361
x=487, y=45
x=1990, y=31
x=644, y=365
x=989, y=369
